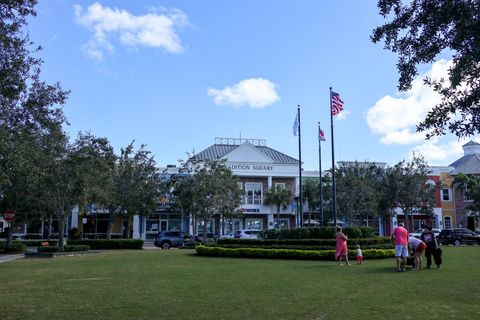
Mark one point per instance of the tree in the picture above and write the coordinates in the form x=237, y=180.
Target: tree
x=419, y=32
x=410, y=188
x=311, y=192
x=95, y=161
x=357, y=188
x=278, y=197
x=135, y=186
x=62, y=187
x=208, y=189
x=29, y=108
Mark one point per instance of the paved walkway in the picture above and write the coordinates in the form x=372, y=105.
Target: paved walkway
x=11, y=257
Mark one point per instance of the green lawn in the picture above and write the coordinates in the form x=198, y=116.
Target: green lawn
x=176, y=284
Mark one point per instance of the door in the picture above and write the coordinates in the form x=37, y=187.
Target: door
x=163, y=225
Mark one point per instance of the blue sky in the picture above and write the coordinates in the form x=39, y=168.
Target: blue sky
x=176, y=74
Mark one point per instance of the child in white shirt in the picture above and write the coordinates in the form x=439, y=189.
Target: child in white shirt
x=359, y=255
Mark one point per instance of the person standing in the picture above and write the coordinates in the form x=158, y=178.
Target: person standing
x=341, y=251
x=418, y=247
x=359, y=255
x=428, y=237
x=400, y=238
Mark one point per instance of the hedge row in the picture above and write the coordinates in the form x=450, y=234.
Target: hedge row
x=307, y=242
x=99, y=244
x=14, y=247
x=67, y=248
x=296, y=247
x=288, y=254
x=31, y=243
x=316, y=233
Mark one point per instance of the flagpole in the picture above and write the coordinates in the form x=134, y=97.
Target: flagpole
x=300, y=167
x=334, y=195
x=320, y=173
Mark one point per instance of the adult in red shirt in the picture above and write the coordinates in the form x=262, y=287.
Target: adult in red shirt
x=400, y=238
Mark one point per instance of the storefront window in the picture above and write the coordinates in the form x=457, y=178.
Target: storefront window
x=282, y=223
x=232, y=225
x=152, y=225
x=254, y=192
x=256, y=224
x=174, y=225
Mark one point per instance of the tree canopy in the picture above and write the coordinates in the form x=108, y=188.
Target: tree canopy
x=419, y=32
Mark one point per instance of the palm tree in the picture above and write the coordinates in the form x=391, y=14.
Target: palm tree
x=278, y=197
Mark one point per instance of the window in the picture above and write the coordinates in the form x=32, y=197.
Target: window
x=446, y=195
x=254, y=224
x=210, y=226
x=279, y=185
x=254, y=193
x=465, y=195
x=232, y=225
x=447, y=222
x=282, y=223
x=419, y=224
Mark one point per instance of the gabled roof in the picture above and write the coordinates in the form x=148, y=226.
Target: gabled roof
x=468, y=164
x=218, y=151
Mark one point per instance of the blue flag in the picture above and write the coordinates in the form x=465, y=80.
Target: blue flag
x=295, y=126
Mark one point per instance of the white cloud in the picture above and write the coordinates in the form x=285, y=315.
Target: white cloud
x=150, y=30
x=395, y=118
x=433, y=152
x=256, y=93
x=343, y=115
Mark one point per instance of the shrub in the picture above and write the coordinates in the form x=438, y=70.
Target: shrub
x=67, y=248
x=287, y=253
x=297, y=247
x=49, y=249
x=307, y=242
x=15, y=246
x=75, y=234
x=100, y=244
x=316, y=233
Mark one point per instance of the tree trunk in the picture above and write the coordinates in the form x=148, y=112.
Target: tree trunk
x=49, y=228
x=278, y=217
x=204, y=230
x=128, y=227
x=309, y=217
x=61, y=233
x=109, y=227
x=11, y=226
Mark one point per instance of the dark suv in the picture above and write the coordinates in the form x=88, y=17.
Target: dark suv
x=458, y=236
x=168, y=239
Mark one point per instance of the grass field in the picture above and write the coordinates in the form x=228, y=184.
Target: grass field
x=177, y=284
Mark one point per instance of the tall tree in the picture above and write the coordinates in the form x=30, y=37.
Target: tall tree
x=207, y=190
x=410, y=188
x=29, y=107
x=135, y=186
x=311, y=192
x=358, y=191
x=95, y=161
x=419, y=32
x=278, y=197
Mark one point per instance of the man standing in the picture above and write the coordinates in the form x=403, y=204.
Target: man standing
x=400, y=238
x=429, y=238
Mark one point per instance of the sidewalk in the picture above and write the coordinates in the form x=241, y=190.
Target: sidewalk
x=11, y=257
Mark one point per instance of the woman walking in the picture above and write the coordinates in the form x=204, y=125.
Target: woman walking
x=341, y=251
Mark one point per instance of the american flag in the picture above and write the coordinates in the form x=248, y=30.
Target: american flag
x=321, y=135
x=337, y=104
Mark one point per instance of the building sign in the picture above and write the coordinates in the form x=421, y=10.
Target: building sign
x=245, y=210
x=247, y=167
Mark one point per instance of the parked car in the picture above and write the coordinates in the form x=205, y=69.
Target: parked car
x=458, y=236
x=230, y=235
x=247, y=234
x=210, y=237
x=169, y=239
x=417, y=233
